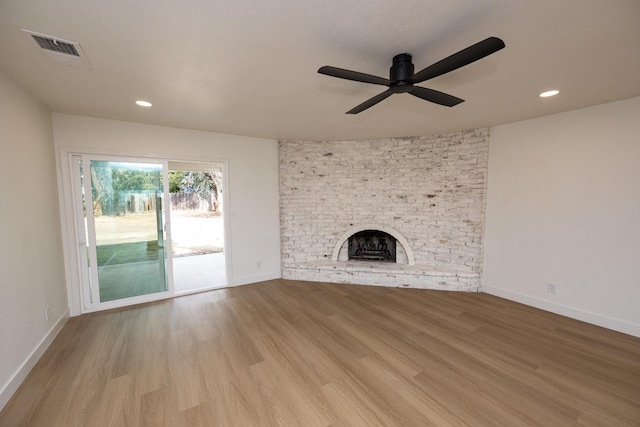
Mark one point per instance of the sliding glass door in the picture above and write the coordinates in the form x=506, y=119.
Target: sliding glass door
x=125, y=228
x=123, y=212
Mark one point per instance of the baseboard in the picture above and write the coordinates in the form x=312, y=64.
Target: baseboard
x=245, y=280
x=12, y=385
x=563, y=310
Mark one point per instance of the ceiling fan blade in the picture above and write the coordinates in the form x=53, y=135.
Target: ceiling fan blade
x=353, y=75
x=370, y=102
x=464, y=57
x=435, y=96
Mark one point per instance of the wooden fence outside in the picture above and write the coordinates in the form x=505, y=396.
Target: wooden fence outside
x=188, y=201
x=123, y=203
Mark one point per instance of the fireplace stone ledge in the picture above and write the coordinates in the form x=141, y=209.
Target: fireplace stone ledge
x=419, y=276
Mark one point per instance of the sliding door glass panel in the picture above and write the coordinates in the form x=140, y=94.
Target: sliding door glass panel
x=197, y=226
x=128, y=224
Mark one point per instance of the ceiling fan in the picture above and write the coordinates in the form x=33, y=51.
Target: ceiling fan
x=402, y=78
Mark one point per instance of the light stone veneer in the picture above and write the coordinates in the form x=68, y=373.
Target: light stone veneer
x=430, y=191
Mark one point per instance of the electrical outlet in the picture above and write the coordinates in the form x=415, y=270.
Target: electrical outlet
x=551, y=288
x=259, y=264
x=46, y=313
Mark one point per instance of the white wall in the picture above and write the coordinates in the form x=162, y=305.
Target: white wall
x=251, y=201
x=563, y=206
x=31, y=266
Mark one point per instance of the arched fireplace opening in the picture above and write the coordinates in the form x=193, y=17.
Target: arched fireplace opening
x=372, y=245
x=403, y=252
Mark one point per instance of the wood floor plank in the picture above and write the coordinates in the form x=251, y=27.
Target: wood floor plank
x=354, y=409
x=288, y=353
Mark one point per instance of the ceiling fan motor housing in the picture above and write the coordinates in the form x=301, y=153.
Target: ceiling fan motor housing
x=401, y=73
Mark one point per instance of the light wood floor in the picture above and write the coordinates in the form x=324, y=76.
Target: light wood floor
x=316, y=354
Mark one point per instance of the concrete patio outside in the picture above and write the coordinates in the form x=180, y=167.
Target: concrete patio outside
x=198, y=254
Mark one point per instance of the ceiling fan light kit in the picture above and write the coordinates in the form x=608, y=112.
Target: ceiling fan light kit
x=402, y=78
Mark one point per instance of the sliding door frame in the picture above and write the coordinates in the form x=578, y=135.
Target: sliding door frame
x=94, y=283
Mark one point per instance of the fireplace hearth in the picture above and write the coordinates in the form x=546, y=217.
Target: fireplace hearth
x=372, y=245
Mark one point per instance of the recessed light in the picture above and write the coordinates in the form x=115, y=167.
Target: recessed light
x=549, y=93
x=144, y=103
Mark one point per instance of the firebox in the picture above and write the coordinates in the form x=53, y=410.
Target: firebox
x=372, y=245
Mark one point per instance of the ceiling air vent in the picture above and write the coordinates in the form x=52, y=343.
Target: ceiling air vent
x=56, y=46
x=59, y=50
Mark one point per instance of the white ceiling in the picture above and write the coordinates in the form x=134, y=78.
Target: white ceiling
x=249, y=67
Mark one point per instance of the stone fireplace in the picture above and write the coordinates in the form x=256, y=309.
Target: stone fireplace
x=390, y=212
